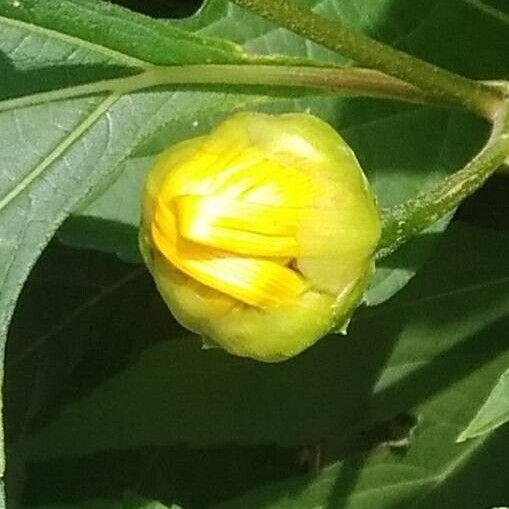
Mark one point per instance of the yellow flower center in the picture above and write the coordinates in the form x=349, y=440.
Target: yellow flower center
x=230, y=221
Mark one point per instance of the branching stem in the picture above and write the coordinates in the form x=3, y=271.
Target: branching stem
x=363, y=82
x=404, y=221
x=438, y=82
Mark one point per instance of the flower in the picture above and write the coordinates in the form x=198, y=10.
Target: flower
x=261, y=235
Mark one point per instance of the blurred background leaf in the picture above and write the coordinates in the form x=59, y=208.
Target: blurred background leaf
x=433, y=352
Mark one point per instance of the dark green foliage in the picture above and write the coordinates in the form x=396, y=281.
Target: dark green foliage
x=109, y=403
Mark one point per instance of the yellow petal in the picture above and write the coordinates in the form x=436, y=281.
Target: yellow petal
x=237, y=226
x=257, y=282
x=206, y=170
x=187, y=174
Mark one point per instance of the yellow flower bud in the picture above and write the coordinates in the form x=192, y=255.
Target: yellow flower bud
x=260, y=236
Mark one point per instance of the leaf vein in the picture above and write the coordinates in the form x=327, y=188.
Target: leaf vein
x=76, y=41
x=485, y=285
x=104, y=292
x=488, y=10
x=58, y=150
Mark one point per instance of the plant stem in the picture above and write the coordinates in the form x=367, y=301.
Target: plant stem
x=367, y=52
x=404, y=221
x=352, y=81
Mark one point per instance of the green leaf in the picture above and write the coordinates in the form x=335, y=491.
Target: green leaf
x=448, y=24
x=492, y=414
x=431, y=474
x=75, y=291
x=431, y=350
x=431, y=470
x=131, y=40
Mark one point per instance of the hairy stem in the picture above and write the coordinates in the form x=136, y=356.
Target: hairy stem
x=440, y=83
x=363, y=82
x=404, y=221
